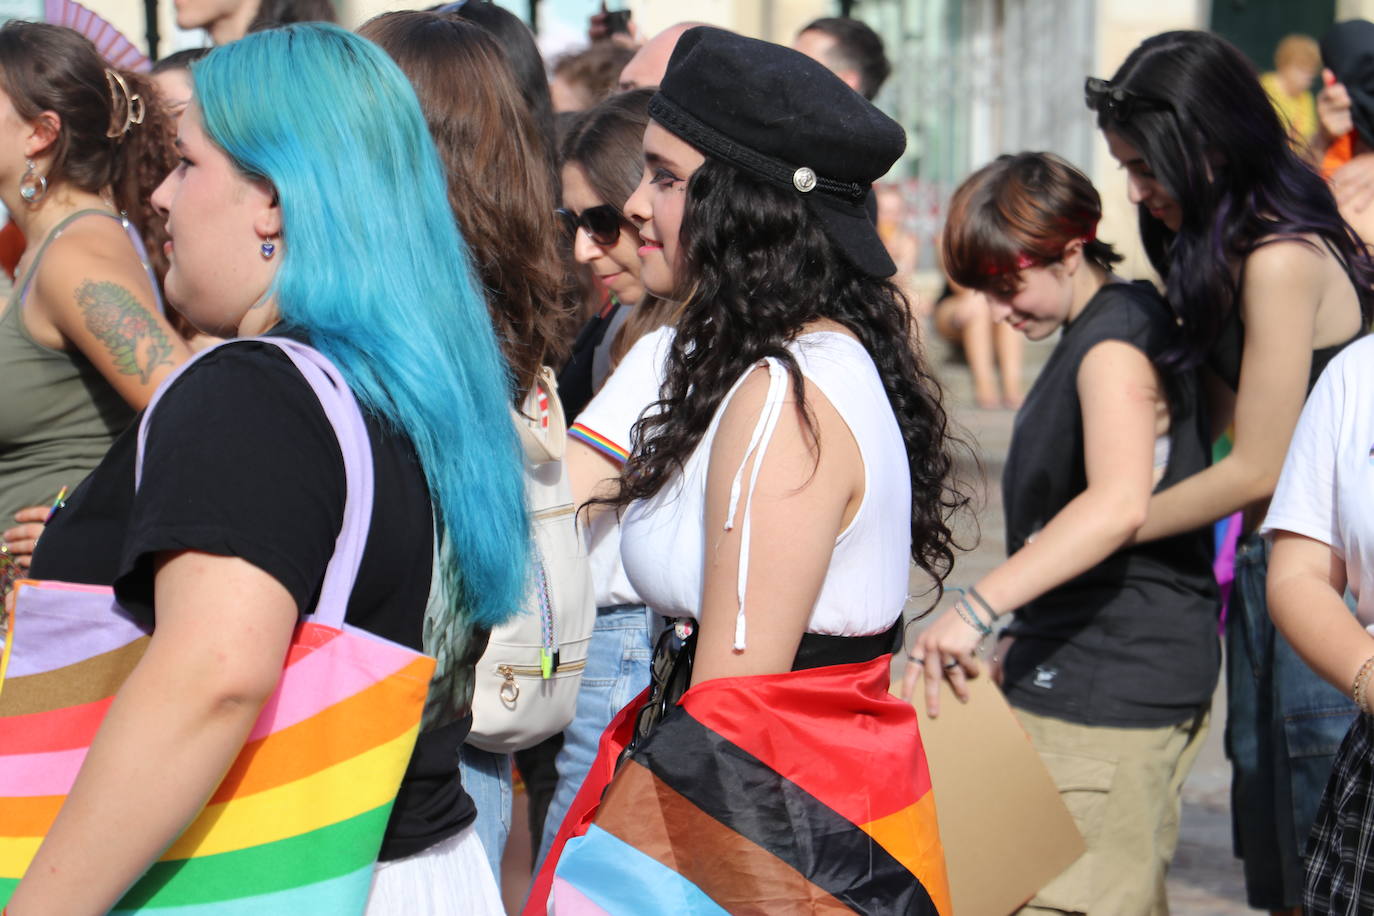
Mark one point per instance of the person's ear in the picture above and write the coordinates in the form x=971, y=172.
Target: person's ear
x=1073, y=257
x=268, y=222
x=43, y=132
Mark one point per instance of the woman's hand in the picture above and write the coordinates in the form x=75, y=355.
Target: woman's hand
x=948, y=648
x=23, y=538
x=1333, y=107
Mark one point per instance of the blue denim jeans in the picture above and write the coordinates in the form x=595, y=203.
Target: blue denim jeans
x=617, y=670
x=487, y=778
x=1283, y=728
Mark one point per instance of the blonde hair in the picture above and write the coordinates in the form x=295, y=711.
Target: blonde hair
x=1298, y=50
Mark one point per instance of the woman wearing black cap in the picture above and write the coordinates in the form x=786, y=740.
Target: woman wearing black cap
x=794, y=468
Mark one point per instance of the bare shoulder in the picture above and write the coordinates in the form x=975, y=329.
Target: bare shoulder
x=91, y=253
x=1284, y=282
x=824, y=441
x=1287, y=259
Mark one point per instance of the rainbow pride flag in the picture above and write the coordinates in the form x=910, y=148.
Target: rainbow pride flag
x=296, y=825
x=804, y=792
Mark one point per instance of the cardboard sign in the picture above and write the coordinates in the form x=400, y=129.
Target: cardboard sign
x=1004, y=829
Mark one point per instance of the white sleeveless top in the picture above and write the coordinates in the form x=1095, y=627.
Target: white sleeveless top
x=663, y=541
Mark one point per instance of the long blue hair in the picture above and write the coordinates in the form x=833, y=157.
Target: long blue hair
x=374, y=270
x=1219, y=148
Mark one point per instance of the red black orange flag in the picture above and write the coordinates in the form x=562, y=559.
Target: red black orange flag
x=804, y=792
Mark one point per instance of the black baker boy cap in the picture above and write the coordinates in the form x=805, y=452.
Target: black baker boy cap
x=784, y=118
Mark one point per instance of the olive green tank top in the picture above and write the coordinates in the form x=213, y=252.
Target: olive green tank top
x=58, y=414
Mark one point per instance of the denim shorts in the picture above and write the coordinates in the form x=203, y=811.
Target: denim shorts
x=1284, y=726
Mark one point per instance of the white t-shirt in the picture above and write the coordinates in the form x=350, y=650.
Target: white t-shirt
x=605, y=425
x=1326, y=491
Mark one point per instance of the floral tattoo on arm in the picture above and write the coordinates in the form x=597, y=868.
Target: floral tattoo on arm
x=123, y=325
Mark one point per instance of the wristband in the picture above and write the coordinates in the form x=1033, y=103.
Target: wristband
x=976, y=596
x=967, y=615
x=1357, y=689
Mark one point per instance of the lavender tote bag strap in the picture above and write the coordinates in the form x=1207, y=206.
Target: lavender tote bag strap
x=344, y=414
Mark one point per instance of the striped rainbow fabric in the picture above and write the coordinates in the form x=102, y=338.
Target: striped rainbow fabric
x=296, y=825
x=589, y=436
x=804, y=792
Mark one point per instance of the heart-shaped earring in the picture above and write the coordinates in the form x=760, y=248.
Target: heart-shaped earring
x=268, y=249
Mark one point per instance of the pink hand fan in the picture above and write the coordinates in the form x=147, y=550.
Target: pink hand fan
x=119, y=51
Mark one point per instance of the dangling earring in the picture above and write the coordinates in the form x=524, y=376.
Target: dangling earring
x=268, y=249
x=32, y=186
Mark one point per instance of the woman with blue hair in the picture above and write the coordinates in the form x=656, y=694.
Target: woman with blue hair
x=310, y=204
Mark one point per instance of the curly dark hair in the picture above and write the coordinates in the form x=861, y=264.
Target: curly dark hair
x=52, y=68
x=758, y=268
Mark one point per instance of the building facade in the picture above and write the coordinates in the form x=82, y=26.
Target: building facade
x=972, y=78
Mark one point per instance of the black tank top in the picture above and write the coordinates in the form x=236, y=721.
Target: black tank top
x=1132, y=641
x=1224, y=359
x=1225, y=356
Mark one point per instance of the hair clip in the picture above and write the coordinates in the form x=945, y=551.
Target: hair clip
x=134, y=108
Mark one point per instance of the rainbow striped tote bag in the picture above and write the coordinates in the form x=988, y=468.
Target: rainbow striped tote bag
x=296, y=825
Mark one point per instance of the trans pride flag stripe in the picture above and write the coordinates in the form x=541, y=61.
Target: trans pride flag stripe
x=804, y=792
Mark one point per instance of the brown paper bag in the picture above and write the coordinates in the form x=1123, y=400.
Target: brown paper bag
x=1004, y=829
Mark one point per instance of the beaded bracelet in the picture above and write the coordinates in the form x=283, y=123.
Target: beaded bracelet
x=967, y=615
x=1357, y=690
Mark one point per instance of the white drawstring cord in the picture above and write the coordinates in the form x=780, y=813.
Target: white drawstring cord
x=763, y=434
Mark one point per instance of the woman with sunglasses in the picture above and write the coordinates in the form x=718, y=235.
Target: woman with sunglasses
x=601, y=166
x=1267, y=283
x=596, y=181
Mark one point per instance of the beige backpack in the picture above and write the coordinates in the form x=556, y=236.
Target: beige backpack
x=526, y=683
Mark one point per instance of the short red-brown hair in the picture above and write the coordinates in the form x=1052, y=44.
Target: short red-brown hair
x=1019, y=211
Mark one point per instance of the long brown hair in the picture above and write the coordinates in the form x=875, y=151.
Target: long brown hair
x=500, y=182
x=52, y=68
x=606, y=143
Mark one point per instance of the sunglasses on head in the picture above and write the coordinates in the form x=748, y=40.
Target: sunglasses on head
x=1118, y=102
x=602, y=224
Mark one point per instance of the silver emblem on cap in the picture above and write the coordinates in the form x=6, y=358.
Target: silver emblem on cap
x=803, y=179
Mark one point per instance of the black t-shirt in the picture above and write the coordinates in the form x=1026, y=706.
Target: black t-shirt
x=241, y=461
x=1132, y=641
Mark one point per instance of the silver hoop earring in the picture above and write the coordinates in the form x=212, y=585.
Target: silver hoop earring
x=32, y=186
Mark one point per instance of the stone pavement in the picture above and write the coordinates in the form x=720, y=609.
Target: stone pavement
x=1205, y=879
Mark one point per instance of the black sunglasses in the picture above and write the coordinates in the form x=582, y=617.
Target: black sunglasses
x=602, y=224
x=1118, y=102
